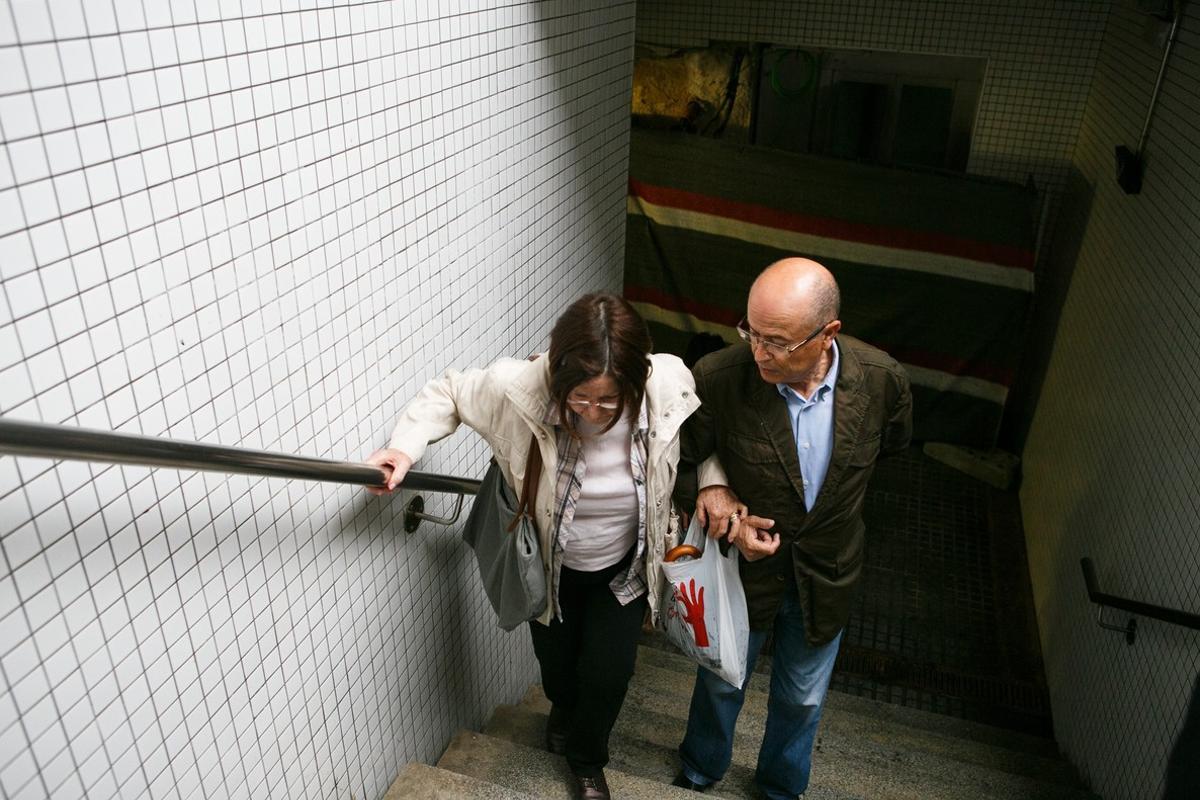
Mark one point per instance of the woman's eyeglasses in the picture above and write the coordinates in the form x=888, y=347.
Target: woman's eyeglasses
x=583, y=405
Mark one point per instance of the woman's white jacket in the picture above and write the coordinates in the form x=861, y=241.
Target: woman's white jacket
x=505, y=403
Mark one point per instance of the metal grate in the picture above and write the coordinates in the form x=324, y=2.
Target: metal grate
x=945, y=620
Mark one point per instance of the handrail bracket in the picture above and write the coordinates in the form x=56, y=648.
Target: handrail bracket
x=414, y=513
x=1129, y=630
x=1104, y=600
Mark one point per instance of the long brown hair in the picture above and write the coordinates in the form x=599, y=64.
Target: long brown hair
x=599, y=334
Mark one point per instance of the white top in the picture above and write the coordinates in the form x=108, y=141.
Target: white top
x=606, y=516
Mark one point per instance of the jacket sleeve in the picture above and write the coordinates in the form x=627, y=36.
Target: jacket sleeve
x=697, y=446
x=468, y=397
x=898, y=432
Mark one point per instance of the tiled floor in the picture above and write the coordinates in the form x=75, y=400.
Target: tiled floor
x=945, y=621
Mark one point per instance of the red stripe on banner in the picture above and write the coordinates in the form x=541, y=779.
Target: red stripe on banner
x=879, y=235
x=941, y=362
x=673, y=302
x=908, y=355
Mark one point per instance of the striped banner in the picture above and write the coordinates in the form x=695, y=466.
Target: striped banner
x=935, y=269
x=828, y=239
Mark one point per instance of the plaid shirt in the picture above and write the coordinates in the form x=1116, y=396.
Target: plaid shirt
x=568, y=482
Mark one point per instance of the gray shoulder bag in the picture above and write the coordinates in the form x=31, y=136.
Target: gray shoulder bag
x=502, y=533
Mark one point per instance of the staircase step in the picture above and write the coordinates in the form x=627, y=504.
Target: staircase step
x=537, y=773
x=423, y=782
x=864, y=720
x=669, y=670
x=633, y=755
x=859, y=762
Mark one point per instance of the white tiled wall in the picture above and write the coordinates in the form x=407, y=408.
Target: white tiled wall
x=1111, y=468
x=266, y=224
x=1040, y=58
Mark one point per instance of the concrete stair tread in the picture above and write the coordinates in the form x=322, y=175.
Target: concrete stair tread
x=645, y=740
x=635, y=756
x=527, y=768
x=423, y=782
x=668, y=692
x=653, y=659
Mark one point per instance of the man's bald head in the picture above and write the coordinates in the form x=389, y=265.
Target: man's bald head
x=792, y=319
x=799, y=289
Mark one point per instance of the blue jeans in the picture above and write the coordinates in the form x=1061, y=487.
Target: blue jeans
x=799, y=679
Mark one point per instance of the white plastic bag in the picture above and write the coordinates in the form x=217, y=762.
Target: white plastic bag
x=704, y=608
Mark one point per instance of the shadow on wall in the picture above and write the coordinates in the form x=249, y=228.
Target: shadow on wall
x=592, y=161
x=1060, y=255
x=1183, y=768
x=455, y=674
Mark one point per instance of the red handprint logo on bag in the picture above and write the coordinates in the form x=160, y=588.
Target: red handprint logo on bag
x=694, y=606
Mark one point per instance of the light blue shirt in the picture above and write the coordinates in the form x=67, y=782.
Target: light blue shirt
x=812, y=425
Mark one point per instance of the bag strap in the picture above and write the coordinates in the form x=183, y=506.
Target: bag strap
x=533, y=473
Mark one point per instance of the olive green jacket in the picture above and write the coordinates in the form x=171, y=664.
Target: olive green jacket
x=744, y=421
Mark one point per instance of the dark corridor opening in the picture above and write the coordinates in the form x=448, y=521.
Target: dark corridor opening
x=945, y=619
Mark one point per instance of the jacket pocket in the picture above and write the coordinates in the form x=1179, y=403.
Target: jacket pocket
x=849, y=565
x=750, y=450
x=830, y=596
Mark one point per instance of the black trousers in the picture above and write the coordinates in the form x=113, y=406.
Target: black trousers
x=587, y=660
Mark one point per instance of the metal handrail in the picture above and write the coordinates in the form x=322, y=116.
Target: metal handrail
x=83, y=444
x=1103, y=600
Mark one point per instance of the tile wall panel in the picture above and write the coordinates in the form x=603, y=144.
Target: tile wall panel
x=1111, y=469
x=266, y=224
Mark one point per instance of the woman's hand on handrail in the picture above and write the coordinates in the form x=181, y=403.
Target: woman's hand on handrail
x=393, y=462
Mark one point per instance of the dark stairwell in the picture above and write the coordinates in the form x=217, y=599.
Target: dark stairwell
x=945, y=620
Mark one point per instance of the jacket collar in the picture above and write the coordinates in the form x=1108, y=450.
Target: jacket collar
x=849, y=409
x=528, y=392
x=670, y=399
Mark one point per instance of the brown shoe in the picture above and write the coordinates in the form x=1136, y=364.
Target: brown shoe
x=592, y=788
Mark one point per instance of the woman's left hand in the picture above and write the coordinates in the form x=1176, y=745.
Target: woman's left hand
x=393, y=462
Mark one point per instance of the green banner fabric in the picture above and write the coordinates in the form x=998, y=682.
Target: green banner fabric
x=935, y=268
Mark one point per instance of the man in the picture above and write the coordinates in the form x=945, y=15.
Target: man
x=797, y=417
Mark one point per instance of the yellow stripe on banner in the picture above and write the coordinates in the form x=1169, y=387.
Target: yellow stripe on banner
x=841, y=249
x=921, y=376
x=959, y=384
x=683, y=321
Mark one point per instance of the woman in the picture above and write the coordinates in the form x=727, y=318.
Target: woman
x=605, y=415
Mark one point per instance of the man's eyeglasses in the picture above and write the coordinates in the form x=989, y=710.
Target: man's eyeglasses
x=773, y=347
x=584, y=405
